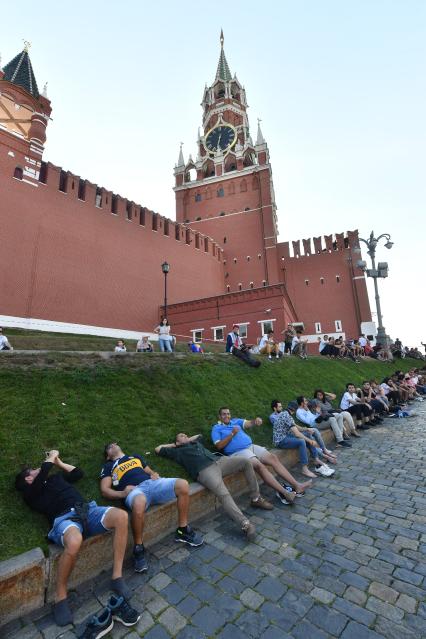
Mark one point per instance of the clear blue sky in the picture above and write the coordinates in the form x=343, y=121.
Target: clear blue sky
x=339, y=86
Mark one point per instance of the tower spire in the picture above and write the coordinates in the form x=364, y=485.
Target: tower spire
x=181, y=161
x=223, y=72
x=260, y=139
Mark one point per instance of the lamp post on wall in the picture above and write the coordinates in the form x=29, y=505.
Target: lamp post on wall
x=375, y=273
x=165, y=267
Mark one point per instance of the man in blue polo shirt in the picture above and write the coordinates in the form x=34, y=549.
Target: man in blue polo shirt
x=230, y=438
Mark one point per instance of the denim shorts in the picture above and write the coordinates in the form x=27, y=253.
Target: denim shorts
x=95, y=523
x=156, y=491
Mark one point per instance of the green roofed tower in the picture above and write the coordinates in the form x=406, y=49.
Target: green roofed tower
x=19, y=71
x=223, y=72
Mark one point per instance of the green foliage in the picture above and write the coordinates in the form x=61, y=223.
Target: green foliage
x=139, y=402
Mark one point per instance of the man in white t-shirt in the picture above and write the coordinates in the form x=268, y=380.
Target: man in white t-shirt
x=4, y=342
x=298, y=345
x=362, y=340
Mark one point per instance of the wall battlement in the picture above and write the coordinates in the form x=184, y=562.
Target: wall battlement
x=55, y=180
x=318, y=245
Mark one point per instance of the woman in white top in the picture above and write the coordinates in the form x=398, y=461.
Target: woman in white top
x=121, y=347
x=164, y=337
x=356, y=407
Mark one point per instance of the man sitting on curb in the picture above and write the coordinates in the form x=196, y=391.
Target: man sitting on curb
x=312, y=418
x=209, y=469
x=129, y=478
x=71, y=519
x=230, y=438
x=236, y=346
x=286, y=435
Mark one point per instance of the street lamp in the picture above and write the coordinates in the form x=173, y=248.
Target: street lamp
x=375, y=273
x=165, y=267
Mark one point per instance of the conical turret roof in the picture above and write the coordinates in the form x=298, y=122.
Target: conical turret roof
x=19, y=71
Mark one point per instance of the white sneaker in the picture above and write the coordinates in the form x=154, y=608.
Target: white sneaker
x=325, y=471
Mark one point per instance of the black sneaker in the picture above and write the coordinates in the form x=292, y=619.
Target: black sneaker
x=139, y=561
x=344, y=444
x=189, y=537
x=98, y=625
x=121, y=611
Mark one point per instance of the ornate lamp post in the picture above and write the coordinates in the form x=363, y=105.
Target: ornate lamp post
x=375, y=273
x=165, y=267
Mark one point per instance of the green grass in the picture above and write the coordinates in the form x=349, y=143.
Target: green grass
x=79, y=406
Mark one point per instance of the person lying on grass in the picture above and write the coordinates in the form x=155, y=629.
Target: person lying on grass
x=72, y=519
x=129, y=478
x=209, y=469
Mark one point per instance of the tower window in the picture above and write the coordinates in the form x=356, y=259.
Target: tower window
x=235, y=260
x=198, y=197
x=82, y=190
x=188, y=236
x=129, y=210
x=263, y=282
x=154, y=222
x=338, y=278
x=222, y=213
x=18, y=173
x=142, y=216
x=307, y=282
x=224, y=240
x=240, y=286
x=228, y=288
x=43, y=173
x=251, y=284
x=114, y=205
x=197, y=241
x=220, y=192
x=166, y=227
x=206, y=244
x=322, y=282
x=248, y=258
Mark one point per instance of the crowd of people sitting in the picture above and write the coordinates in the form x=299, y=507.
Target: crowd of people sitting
x=130, y=480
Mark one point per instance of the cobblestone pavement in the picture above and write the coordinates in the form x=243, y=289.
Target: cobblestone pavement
x=347, y=561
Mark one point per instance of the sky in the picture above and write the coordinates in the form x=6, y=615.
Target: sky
x=339, y=87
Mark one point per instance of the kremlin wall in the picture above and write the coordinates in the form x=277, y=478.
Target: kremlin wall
x=76, y=257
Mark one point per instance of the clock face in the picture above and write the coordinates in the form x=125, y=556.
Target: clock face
x=222, y=136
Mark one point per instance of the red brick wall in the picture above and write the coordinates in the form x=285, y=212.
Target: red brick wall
x=66, y=260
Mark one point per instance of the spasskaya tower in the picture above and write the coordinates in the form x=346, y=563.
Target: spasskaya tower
x=227, y=191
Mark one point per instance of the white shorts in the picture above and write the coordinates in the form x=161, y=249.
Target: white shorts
x=252, y=451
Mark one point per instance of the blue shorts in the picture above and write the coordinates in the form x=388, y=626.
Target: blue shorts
x=95, y=523
x=156, y=491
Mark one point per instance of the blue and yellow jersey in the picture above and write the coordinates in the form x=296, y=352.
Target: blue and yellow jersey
x=126, y=471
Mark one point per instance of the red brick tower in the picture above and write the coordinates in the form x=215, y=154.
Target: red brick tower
x=24, y=115
x=227, y=192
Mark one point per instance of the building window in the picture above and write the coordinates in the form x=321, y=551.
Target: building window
x=197, y=334
x=177, y=232
x=240, y=286
x=98, y=198
x=18, y=173
x=338, y=325
x=251, y=284
x=188, y=236
x=307, y=282
x=220, y=192
x=243, y=331
x=114, y=205
x=318, y=327
x=322, y=282
x=166, y=227
x=197, y=241
x=228, y=288
x=338, y=278
x=248, y=258
x=218, y=333
x=198, y=197
x=82, y=190
x=266, y=326
x=198, y=219
x=206, y=244
x=129, y=211
x=222, y=213
x=263, y=282
x=235, y=260
x=154, y=222
x=142, y=216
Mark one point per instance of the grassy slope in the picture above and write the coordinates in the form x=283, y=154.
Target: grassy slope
x=139, y=406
